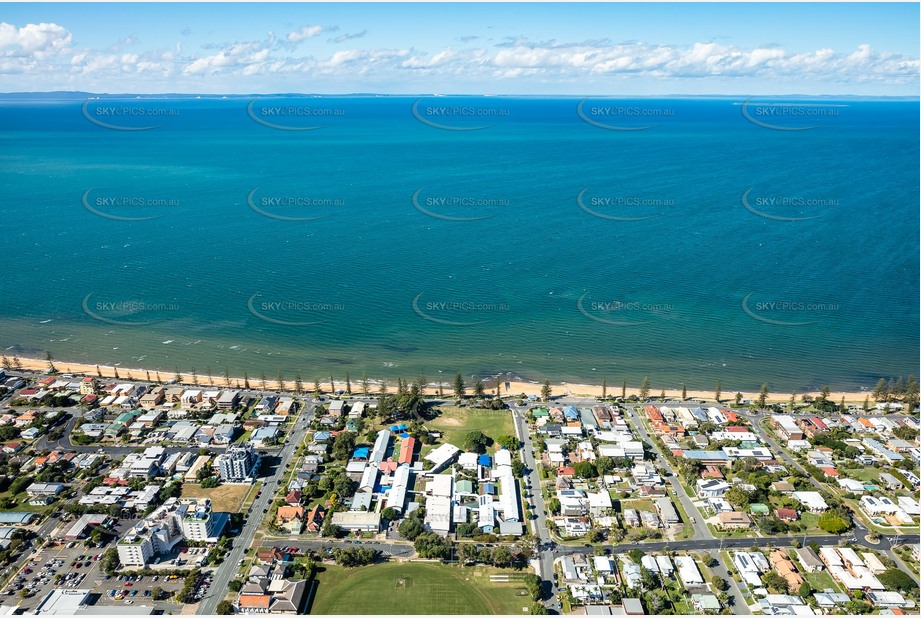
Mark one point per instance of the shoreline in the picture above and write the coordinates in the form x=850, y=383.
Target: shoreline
x=516, y=386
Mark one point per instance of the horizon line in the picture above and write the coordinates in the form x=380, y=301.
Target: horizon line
x=463, y=94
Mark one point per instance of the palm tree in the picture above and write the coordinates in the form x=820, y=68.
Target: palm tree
x=281, y=381
x=210, y=377
x=263, y=381
x=194, y=377
x=50, y=360
x=364, y=383
x=348, y=383
x=226, y=376
x=684, y=392
x=316, y=388
x=623, y=389
x=246, y=380
x=332, y=384
x=604, y=388
x=719, y=390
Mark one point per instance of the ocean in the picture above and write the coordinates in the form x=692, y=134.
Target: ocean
x=688, y=240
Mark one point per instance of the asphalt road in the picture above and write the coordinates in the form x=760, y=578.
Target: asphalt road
x=228, y=569
x=546, y=556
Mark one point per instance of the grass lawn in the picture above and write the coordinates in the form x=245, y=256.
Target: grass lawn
x=638, y=505
x=455, y=423
x=862, y=474
x=224, y=499
x=416, y=588
x=22, y=504
x=820, y=581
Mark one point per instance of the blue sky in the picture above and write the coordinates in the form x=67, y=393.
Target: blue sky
x=617, y=48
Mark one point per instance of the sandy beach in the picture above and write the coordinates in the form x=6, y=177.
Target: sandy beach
x=515, y=387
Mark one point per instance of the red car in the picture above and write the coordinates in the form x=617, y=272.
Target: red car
x=128, y=584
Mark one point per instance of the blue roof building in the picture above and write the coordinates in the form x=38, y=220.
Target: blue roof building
x=485, y=460
x=361, y=452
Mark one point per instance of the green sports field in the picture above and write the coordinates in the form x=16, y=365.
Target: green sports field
x=455, y=423
x=416, y=588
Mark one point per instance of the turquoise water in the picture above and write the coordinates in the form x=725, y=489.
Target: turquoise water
x=496, y=230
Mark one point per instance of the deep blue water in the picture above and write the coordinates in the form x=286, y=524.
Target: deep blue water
x=535, y=275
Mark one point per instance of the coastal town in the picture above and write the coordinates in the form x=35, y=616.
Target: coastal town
x=212, y=496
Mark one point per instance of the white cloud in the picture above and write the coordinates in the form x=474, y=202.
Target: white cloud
x=306, y=32
x=35, y=40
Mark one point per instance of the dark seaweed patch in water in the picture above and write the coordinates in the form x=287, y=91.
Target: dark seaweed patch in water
x=404, y=349
x=339, y=361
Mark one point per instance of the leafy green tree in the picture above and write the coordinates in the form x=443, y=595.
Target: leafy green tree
x=344, y=445
x=604, y=465
x=833, y=523
x=431, y=545
x=636, y=555
x=510, y=442
x=477, y=442
x=894, y=579
x=224, y=608
x=586, y=470
x=537, y=609
x=411, y=528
